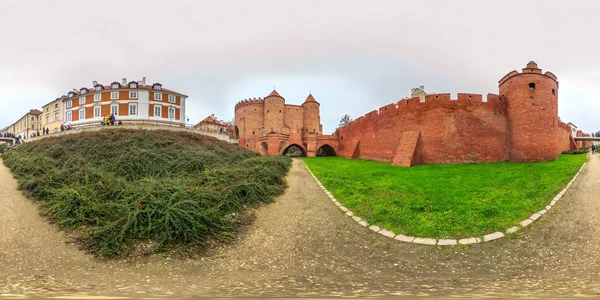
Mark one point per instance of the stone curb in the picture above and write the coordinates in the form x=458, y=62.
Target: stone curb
x=445, y=242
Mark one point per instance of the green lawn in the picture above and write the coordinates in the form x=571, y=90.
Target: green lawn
x=445, y=201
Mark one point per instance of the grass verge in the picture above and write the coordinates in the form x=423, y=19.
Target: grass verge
x=171, y=188
x=445, y=201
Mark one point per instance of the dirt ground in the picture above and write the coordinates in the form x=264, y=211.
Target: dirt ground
x=302, y=246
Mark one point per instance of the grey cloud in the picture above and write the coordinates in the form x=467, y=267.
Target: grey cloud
x=364, y=54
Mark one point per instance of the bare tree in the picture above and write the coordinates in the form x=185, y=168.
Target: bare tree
x=345, y=120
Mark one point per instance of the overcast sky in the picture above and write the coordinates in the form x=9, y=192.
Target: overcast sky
x=355, y=56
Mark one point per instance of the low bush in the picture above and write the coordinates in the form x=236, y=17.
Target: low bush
x=173, y=188
x=577, y=151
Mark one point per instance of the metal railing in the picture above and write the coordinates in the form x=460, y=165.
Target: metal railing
x=146, y=125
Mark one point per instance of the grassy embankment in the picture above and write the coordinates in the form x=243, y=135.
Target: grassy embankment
x=120, y=186
x=445, y=201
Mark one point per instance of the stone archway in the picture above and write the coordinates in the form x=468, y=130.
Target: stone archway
x=294, y=150
x=326, y=150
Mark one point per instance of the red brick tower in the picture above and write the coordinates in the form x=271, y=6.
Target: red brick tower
x=532, y=109
x=273, y=112
x=312, y=124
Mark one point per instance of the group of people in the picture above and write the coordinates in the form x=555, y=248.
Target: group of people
x=12, y=135
x=110, y=120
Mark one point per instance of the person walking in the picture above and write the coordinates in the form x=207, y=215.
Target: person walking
x=112, y=119
x=107, y=120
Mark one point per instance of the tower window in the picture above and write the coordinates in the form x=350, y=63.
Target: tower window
x=532, y=86
x=553, y=92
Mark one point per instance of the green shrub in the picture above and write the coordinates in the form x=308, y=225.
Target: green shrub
x=173, y=188
x=578, y=151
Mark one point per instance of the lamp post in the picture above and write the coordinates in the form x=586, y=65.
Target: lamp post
x=170, y=115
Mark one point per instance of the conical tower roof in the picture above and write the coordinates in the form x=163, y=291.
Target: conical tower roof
x=310, y=98
x=274, y=93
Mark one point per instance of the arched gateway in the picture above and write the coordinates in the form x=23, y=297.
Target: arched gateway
x=294, y=150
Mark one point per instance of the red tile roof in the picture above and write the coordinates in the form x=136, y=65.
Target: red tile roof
x=210, y=119
x=310, y=98
x=274, y=93
x=35, y=112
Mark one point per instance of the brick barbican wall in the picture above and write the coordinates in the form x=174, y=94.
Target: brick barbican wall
x=269, y=126
x=452, y=131
x=520, y=124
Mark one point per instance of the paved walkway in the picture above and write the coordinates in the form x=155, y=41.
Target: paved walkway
x=302, y=245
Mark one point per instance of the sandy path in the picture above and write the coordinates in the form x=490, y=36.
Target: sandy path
x=301, y=245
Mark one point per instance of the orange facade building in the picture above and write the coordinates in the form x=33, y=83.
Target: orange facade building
x=130, y=102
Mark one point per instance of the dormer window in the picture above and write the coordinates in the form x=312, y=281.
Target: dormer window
x=98, y=88
x=71, y=94
x=157, y=86
x=83, y=90
x=115, y=85
x=133, y=85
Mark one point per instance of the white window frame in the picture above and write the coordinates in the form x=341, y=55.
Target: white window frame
x=82, y=91
x=114, y=95
x=158, y=96
x=171, y=112
x=172, y=99
x=133, y=95
x=115, y=86
x=97, y=97
x=98, y=88
x=156, y=87
x=133, y=85
x=159, y=115
x=81, y=100
x=69, y=117
x=82, y=114
x=69, y=104
x=97, y=111
x=114, y=111
x=134, y=106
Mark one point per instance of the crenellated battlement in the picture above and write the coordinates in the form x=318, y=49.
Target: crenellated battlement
x=413, y=105
x=530, y=69
x=423, y=129
x=249, y=101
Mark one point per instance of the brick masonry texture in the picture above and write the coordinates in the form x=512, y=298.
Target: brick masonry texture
x=518, y=124
x=271, y=127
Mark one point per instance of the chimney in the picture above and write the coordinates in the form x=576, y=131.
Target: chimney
x=144, y=80
x=95, y=83
x=422, y=87
x=124, y=81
